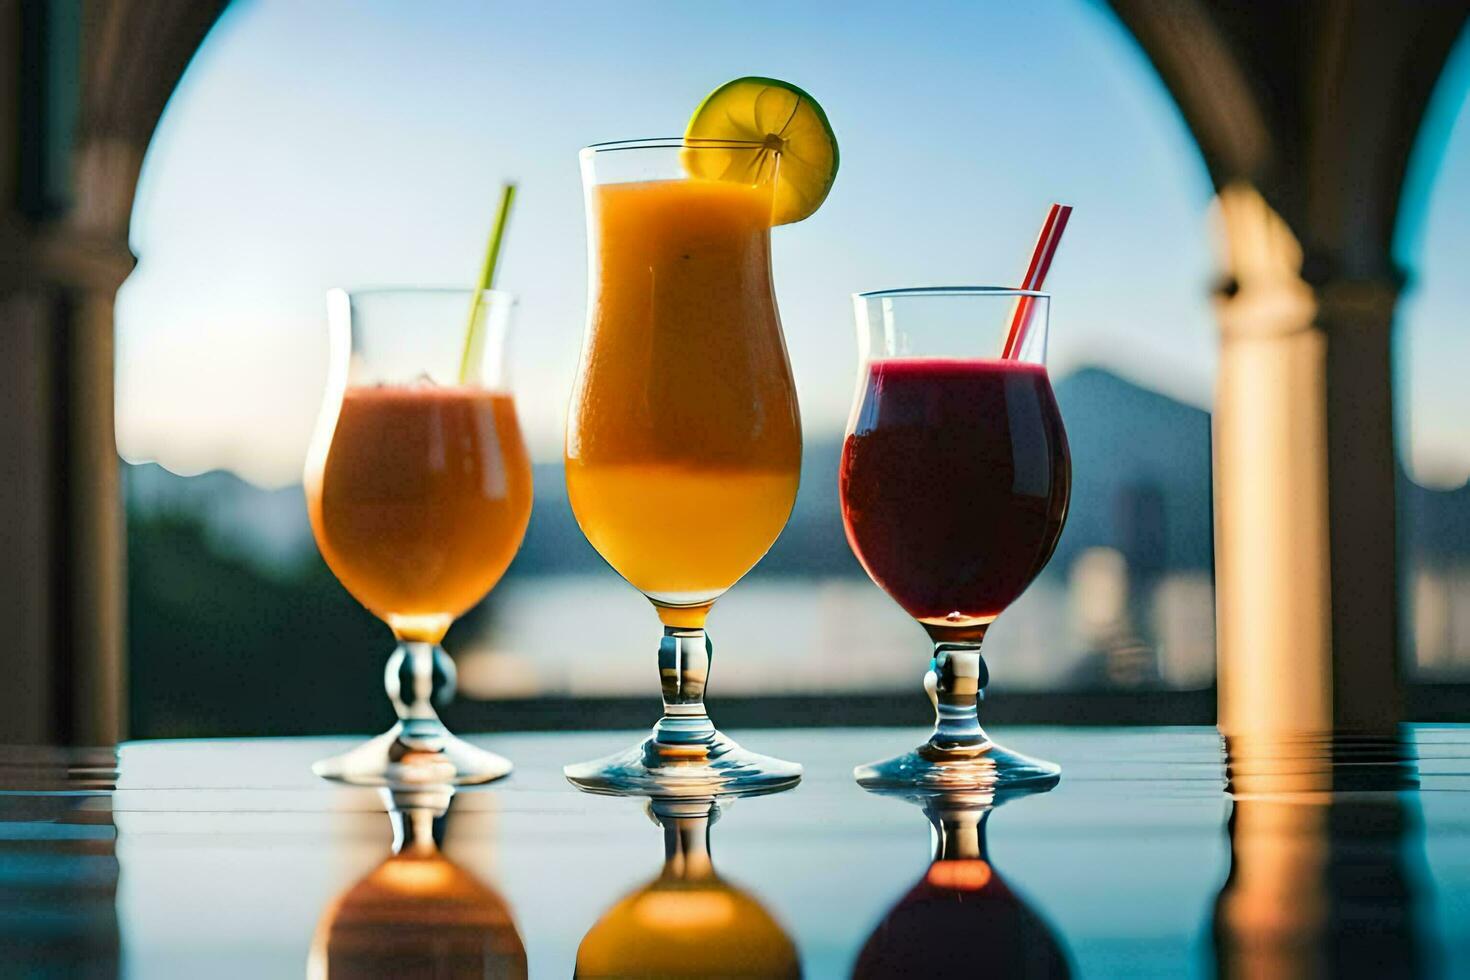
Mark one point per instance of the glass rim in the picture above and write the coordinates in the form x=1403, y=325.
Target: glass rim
x=918, y=291
x=670, y=143
x=421, y=291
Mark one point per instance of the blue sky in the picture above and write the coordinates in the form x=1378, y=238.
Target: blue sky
x=337, y=143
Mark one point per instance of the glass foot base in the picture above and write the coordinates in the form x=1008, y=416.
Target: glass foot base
x=988, y=769
x=390, y=760
x=717, y=767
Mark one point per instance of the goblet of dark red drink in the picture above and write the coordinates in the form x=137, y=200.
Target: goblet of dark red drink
x=955, y=479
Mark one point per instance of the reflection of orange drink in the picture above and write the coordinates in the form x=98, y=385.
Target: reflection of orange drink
x=420, y=500
x=687, y=922
x=684, y=446
x=417, y=915
x=702, y=928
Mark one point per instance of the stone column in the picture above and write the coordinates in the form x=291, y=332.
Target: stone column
x=1271, y=502
x=1306, y=115
x=89, y=89
x=1356, y=315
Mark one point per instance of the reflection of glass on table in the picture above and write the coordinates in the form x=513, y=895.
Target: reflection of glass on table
x=961, y=918
x=418, y=914
x=688, y=921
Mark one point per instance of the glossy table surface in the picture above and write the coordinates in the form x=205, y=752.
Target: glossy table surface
x=229, y=859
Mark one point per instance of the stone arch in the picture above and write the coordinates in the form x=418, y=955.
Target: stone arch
x=84, y=85
x=1307, y=115
x=1303, y=136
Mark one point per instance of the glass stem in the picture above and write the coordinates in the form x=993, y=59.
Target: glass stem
x=418, y=814
x=420, y=676
x=686, y=838
x=959, y=831
x=684, y=656
x=417, y=831
x=956, y=684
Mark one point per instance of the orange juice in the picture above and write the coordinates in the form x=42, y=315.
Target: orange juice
x=421, y=500
x=684, y=446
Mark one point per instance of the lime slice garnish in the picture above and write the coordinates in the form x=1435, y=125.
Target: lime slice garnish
x=782, y=118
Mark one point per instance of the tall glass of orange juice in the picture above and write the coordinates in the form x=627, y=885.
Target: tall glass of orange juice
x=683, y=444
x=418, y=486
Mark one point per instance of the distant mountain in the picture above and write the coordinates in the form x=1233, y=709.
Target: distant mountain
x=1141, y=484
x=1141, y=474
x=227, y=592
x=266, y=527
x=1434, y=524
x=813, y=542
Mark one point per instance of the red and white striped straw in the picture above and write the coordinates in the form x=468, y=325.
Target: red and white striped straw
x=1046, y=250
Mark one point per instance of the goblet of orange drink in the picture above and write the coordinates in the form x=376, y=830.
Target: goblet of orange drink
x=418, y=486
x=683, y=442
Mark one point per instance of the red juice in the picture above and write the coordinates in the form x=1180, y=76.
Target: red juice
x=954, y=484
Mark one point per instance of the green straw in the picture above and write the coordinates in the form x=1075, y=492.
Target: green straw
x=487, y=279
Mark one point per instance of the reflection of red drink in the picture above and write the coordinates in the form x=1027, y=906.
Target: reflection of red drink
x=960, y=917
x=954, y=483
